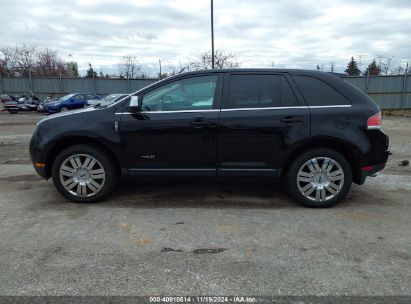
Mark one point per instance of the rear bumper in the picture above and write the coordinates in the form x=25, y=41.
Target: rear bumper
x=375, y=159
x=372, y=169
x=12, y=108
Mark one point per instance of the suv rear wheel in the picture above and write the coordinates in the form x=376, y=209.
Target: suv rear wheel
x=319, y=178
x=84, y=174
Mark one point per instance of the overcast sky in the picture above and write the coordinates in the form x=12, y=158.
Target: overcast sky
x=291, y=33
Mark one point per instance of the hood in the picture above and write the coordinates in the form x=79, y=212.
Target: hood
x=73, y=112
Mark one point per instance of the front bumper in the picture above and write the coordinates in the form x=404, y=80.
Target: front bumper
x=51, y=108
x=41, y=171
x=38, y=153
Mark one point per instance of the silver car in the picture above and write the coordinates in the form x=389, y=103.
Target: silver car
x=106, y=101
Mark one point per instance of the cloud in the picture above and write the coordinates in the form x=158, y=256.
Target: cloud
x=298, y=34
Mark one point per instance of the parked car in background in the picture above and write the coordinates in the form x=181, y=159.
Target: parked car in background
x=28, y=103
x=10, y=103
x=4, y=98
x=42, y=103
x=69, y=102
x=312, y=129
x=106, y=101
x=24, y=102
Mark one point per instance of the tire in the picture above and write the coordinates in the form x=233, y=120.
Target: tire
x=89, y=182
x=63, y=109
x=319, y=186
x=13, y=111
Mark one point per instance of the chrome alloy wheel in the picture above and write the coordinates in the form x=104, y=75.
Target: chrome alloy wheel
x=320, y=179
x=82, y=175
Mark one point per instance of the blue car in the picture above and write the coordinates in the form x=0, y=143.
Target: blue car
x=69, y=102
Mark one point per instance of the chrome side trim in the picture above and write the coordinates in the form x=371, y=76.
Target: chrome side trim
x=240, y=109
x=161, y=112
x=336, y=106
x=265, y=108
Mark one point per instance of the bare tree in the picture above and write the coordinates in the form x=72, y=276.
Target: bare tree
x=181, y=68
x=385, y=65
x=23, y=60
x=129, y=67
x=50, y=64
x=18, y=60
x=3, y=67
x=222, y=60
x=398, y=70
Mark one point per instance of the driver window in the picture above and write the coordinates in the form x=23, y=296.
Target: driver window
x=196, y=93
x=78, y=97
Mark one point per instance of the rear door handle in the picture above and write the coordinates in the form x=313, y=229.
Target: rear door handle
x=291, y=119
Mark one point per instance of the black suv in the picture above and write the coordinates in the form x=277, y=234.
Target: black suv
x=310, y=128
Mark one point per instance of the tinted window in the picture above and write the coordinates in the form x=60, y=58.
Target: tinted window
x=258, y=91
x=317, y=93
x=78, y=97
x=196, y=93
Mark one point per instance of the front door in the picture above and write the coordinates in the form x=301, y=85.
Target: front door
x=176, y=131
x=260, y=118
x=77, y=101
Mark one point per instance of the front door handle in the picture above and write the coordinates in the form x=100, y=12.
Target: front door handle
x=198, y=122
x=291, y=119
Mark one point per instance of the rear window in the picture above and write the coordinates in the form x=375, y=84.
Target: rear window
x=318, y=93
x=260, y=91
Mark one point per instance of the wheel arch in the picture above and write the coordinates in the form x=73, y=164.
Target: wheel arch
x=348, y=150
x=65, y=142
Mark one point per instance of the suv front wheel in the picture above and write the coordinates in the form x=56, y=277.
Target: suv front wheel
x=319, y=178
x=84, y=174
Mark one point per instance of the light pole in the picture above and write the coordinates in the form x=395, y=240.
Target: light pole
x=212, y=34
x=159, y=62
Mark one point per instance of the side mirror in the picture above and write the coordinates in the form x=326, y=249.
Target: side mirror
x=134, y=106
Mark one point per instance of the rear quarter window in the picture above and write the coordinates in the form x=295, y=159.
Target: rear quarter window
x=318, y=93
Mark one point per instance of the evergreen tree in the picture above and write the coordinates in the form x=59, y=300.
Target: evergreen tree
x=90, y=72
x=73, y=68
x=373, y=69
x=352, y=68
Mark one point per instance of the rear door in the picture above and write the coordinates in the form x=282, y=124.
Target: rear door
x=261, y=117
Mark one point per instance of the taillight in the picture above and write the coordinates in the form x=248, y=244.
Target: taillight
x=374, y=122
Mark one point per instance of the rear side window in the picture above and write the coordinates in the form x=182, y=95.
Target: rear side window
x=318, y=93
x=260, y=91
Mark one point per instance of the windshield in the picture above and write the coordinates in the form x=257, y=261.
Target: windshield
x=67, y=97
